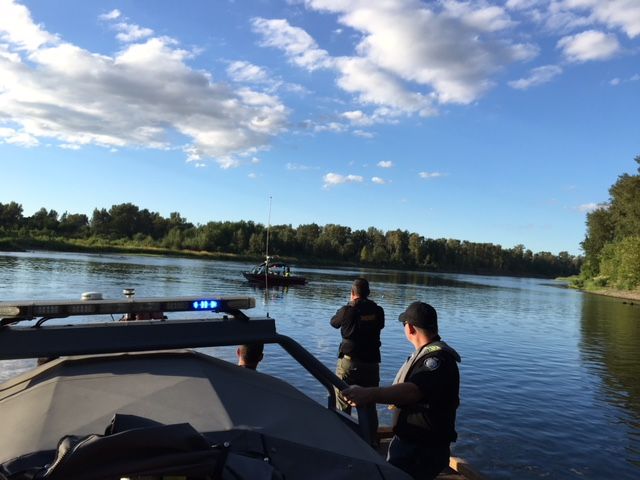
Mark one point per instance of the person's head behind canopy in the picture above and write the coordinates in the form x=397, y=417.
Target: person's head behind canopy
x=250, y=355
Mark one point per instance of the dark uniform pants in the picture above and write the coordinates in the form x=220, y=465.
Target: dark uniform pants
x=422, y=462
x=365, y=374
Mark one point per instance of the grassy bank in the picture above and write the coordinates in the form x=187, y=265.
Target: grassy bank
x=83, y=246
x=596, y=287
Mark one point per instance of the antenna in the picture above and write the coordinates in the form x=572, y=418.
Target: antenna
x=266, y=262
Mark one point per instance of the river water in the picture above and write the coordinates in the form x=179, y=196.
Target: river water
x=550, y=376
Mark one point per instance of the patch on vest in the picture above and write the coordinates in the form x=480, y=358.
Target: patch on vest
x=432, y=363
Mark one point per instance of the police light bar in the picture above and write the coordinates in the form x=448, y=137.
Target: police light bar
x=28, y=310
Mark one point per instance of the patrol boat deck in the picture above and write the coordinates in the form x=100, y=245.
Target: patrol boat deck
x=458, y=468
x=124, y=400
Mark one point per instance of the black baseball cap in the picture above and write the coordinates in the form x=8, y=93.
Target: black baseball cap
x=421, y=315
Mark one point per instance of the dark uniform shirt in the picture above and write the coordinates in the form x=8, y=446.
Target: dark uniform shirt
x=360, y=323
x=432, y=419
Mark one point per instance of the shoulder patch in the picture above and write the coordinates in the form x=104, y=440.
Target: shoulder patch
x=432, y=363
x=432, y=348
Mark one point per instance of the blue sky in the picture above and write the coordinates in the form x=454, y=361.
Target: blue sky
x=488, y=121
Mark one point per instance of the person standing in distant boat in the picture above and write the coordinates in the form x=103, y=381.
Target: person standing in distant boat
x=424, y=397
x=250, y=355
x=360, y=323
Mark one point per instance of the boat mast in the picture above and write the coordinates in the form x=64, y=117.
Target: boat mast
x=266, y=261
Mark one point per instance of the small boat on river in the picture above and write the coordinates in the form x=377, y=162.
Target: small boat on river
x=273, y=273
x=132, y=400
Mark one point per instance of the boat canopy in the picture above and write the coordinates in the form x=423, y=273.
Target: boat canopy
x=124, y=399
x=257, y=415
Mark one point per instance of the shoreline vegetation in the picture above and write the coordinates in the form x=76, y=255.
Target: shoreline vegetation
x=612, y=243
x=576, y=283
x=24, y=245
x=80, y=246
x=126, y=228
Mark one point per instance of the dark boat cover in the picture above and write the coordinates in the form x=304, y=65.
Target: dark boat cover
x=177, y=413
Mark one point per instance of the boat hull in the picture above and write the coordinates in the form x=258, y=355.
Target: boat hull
x=270, y=279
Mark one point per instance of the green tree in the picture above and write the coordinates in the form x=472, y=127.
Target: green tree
x=73, y=224
x=10, y=215
x=606, y=242
x=625, y=205
x=43, y=219
x=125, y=220
x=100, y=222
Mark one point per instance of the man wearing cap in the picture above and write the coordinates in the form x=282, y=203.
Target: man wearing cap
x=360, y=322
x=424, y=397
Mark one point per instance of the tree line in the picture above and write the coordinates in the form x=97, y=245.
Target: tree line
x=612, y=242
x=127, y=224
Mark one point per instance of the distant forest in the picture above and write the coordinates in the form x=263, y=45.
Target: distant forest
x=612, y=244
x=126, y=225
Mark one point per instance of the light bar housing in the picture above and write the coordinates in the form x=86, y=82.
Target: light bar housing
x=11, y=312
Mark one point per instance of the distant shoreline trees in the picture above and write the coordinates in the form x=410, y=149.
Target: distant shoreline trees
x=127, y=224
x=612, y=242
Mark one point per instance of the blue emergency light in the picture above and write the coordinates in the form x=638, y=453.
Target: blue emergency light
x=205, y=304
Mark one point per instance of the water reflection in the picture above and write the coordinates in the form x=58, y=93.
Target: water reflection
x=610, y=331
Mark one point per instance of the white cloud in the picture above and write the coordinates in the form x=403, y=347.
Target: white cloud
x=589, y=45
x=428, y=175
x=127, y=32
x=522, y=4
x=332, y=179
x=450, y=51
x=130, y=33
x=70, y=146
x=375, y=86
x=297, y=44
x=17, y=27
x=112, y=15
x=241, y=71
x=363, y=134
x=590, y=207
x=330, y=127
x=252, y=175
x=618, y=81
x=489, y=18
x=357, y=117
x=385, y=164
x=135, y=98
x=18, y=138
x=297, y=166
x=623, y=14
x=378, y=180
x=537, y=76
x=295, y=88
x=357, y=75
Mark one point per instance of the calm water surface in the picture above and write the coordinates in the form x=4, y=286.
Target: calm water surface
x=550, y=377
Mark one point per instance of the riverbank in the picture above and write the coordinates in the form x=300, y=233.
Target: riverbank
x=632, y=295
x=577, y=283
x=100, y=246
x=78, y=246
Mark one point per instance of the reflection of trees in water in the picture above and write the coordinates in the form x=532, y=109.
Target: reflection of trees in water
x=8, y=265
x=399, y=277
x=610, y=338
